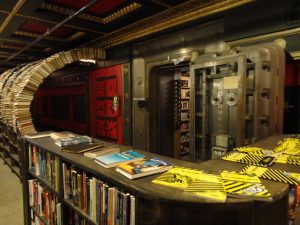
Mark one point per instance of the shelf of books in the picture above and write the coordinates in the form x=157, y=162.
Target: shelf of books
x=10, y=150
x=116, y=184
x=185, y=113
x=63, y=191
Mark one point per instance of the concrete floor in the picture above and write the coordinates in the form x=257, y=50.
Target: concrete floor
x=11, y=197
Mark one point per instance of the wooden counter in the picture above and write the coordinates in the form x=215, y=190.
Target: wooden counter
x=162, y=205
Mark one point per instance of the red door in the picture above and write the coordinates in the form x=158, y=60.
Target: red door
x=105, y=103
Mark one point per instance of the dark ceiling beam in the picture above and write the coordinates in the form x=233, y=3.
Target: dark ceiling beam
x=14, y=47
x=27, y=54
x=39, y=18
x=16, y=22
x=11, y=15
x=76, y=23
x=54, y=28
x=45, y=43
x=186, y=12
x=16, y=41
x=161, y=4
x=5, y=56
x=132, y=6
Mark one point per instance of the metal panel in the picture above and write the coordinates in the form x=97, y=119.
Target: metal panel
x=239, y=96
x=160, y=51
x=127, y=108
x=140, y=114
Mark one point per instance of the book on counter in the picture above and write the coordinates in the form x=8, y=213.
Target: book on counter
x=242, y=185
x=61, y=142
x=81, y=147
x=35, y=135
x=207, y=186
x=61, y=135
x=112, y=160
x=178, y=177
x=101, y=151
x=143, y=168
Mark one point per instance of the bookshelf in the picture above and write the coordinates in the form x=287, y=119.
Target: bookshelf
x=11, y=150
x=153, y=204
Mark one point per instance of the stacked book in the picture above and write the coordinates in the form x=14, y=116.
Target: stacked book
x=63, y=139
x=18, y=85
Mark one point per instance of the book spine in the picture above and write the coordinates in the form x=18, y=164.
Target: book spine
x=98, y=201
x=132, y=210
x=84, y=192
x=88, y=193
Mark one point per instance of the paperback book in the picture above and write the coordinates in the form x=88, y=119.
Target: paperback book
x=112, y=160
x=270, y=174
x=241, y=185
x=101, y=151
x=143, y=168
x=257, y=160
x=35, y=135
x=61, y=142
x=178, y=177
x=81, y=148
x=60, y=135
x=207, y=186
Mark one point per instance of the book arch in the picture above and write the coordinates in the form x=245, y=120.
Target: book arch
x=18, y=85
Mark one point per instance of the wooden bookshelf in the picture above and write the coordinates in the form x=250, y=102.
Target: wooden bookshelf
x=10, y=148
x=157, y=204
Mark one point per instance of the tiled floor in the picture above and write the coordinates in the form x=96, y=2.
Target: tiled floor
x=11, y=198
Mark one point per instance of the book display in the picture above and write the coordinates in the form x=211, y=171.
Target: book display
x=84, y=192
x=60, y=192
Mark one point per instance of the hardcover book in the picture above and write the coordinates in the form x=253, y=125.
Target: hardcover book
x=178, y=177
x=143, y=168
x=112, y=160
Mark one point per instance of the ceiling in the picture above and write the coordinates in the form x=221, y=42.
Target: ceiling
x=105, y=24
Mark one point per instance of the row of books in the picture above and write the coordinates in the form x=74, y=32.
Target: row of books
x=18, y=85
x=104, y=204
x=45, y=165
x=43, y=203
x=74, y=218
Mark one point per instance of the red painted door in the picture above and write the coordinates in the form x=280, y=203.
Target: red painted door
x=105, y=103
